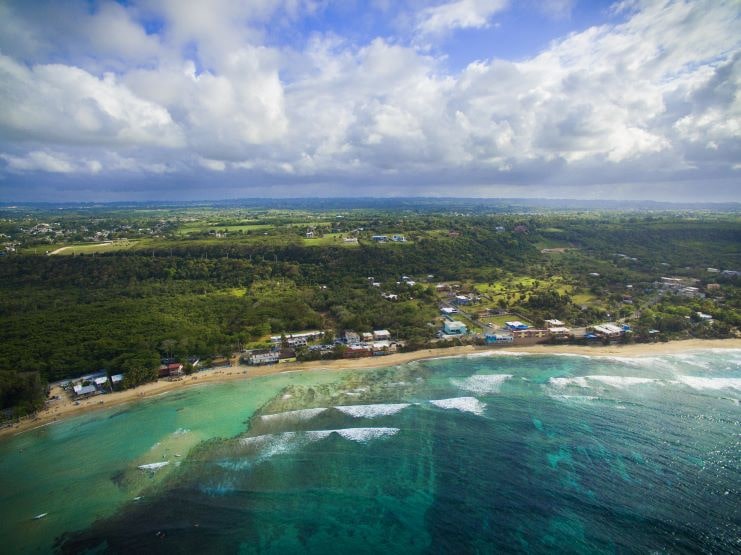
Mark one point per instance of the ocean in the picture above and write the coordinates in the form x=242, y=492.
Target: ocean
x=492, y=452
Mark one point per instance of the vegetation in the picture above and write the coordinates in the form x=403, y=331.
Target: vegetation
x=206, y=282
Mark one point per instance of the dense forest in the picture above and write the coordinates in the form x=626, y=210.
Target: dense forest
x=182, y=292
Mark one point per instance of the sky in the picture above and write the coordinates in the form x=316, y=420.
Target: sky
x=219, y=99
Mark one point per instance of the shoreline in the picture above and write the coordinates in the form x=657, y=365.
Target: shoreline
x=65, y=407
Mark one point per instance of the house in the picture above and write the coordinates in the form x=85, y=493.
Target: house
x=287, y=355
x=352, y=338
x=499, y=229
x=366, y=336
x=309, y=234
x=530, y=333
x=380, y=238
x=376, y=284
x=553, y=323
x=516, y=325
x=713, y=270
x=454, y=327
x=116, y=379
x=380, y=348
x=691, y=292
x=703, y=316
x=351, y=240
x=498, y=338
x=609, y=331
x=296, y=339
x=263, y=357
x=357, y=351
x=712, y=286
x=398, y=238
x=442, y=287
x=449, y=310
x=559, y=332
x=101, y=382
x=170, y=369
x=380, y=335
x=390, y=296
x=461, y=299
x=84, y=390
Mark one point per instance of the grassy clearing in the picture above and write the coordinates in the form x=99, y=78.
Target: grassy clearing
x=90, y=248
x=330, y=240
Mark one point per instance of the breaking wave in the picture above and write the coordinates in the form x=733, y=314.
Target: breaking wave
x=463, y=404
x=482, y=383
x=371, y=411
x=710, y=383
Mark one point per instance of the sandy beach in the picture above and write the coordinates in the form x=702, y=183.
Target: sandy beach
x=65, y=407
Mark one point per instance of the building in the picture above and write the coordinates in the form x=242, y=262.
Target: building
x=296, y=339
x=712, y=286
x=610, y=331
x=703, y=316
x=84, y=390
x=530, y=333
x=461, y=300
x=453, y=327
x=352, y=338
x=170, y=369
x=258, y=358
x=357, y=351
x=449, y=310
x=398, y=238
x=498, y=338
x=380, y=335
x=516, y=325
x=559, y=332
x=366, y=336
x=553, y=323
x=380, y=238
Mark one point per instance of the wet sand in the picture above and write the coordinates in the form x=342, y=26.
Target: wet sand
x=65, y=407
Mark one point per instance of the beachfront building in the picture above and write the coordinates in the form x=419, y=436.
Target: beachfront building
x=609, y=331
x=82, y=391
x=560, y=332
x=366, y=336
x=454, y=327
x=498, y=338
x=351, y=338
x=516, y=325
x=381, y=335
x=294, y=340
x=260, y=357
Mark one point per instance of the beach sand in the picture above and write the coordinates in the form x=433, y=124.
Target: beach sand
x=65, y=407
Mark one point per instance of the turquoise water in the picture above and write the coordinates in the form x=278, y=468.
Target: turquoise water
x=532, y=454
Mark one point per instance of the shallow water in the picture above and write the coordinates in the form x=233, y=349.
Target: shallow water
x=534, y=454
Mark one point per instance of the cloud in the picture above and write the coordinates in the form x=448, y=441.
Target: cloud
x=459, y=14
x=210, y=94
x=60, y=103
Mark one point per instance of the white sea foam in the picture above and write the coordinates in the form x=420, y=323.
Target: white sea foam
x=363, y=435
x=710, y=383
x=153, y=467
x=181, y=431
x=371, y=411
x=621, y=381
x=575, y=398
x=269, y=445
x=463, y=404
x=498, y=352
x=482, y=383
x=303, y=414
x=578, y=381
